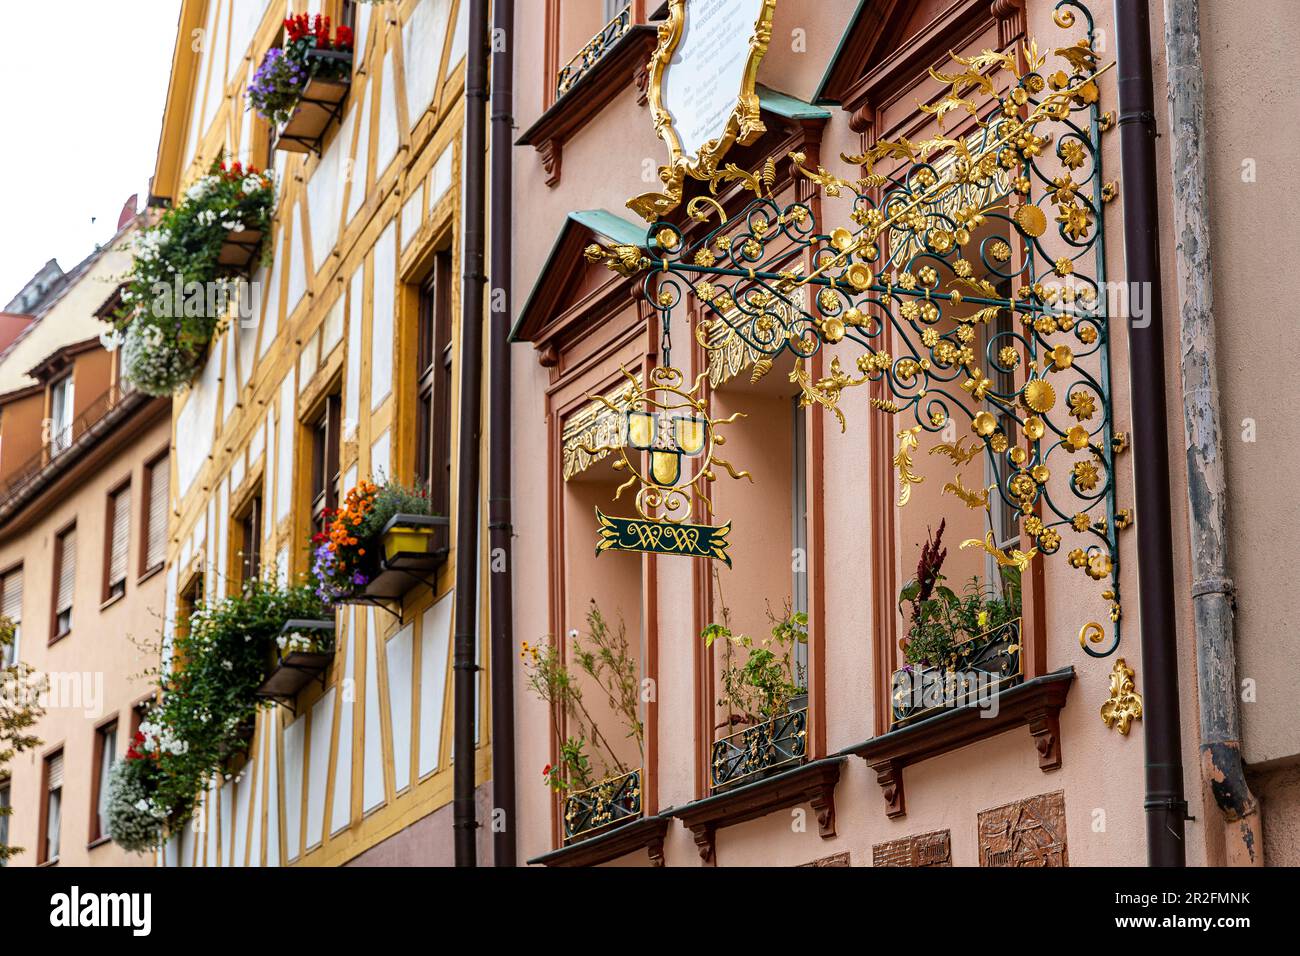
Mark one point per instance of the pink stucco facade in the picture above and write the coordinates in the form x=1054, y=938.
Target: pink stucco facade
x=584, y=322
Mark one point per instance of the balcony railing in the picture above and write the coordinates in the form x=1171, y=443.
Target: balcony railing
x=590, y=54
x=759, y=750
x=982, y=666
x=58, y=445
x=605, y=806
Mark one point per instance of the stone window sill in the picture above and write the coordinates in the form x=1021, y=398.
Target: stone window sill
x=1036, y=703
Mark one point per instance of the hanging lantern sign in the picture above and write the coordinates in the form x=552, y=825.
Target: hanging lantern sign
x=670, y=452
x=702, y=89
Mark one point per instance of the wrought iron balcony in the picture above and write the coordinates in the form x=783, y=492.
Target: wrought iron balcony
x=590, y=55
x=756, y=751
x=982, y=666
x=609, y=804
x=96, y=418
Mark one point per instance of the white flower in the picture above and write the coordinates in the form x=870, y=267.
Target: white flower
x=233, y=226
x=252, y=184
x=206, y=217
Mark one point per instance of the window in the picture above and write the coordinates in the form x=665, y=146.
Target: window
x=6, y=806
x=118, y=541
x=60, y=415
x=104, y=756
x=189, y=598
x=250, y=541
x=11, y=606
x=65, y=576
x=613, y=8
x=153, y=536
x=348, y=17
x=433, y=414
x=52, y=809
x=325, y=464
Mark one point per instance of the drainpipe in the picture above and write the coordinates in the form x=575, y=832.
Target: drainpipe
x=1166, y=809
x=499, y=524
x=1213, y=593
x=471, y=408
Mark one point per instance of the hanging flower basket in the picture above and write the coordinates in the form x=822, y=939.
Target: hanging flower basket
x=184, y=279
x=301, y=86
x=304, y=651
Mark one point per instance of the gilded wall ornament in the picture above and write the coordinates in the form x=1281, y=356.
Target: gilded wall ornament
x=1124, y=704
x=686, y=113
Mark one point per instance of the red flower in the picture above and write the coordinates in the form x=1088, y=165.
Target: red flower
x=546, y=771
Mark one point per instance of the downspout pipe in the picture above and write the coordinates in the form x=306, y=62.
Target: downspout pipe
x=1213, y=592
x=464, y=666
x=500, y=529
x=1166, y=808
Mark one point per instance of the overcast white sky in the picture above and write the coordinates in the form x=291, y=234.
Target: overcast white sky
x=84, y=83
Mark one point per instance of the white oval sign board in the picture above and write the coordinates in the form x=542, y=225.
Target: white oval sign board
x=703, y=80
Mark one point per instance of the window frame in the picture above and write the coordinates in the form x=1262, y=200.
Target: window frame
x=435, y=368
x=11, y=656
x=108, y=594
x=97, y=832
x=251, y=511
x=59, y=536
x=325, y=465
x=144, y=569
x=6, y=801
x=63, y=385
x=43, y=857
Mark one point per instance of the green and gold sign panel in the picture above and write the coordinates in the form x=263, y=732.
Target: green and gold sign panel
x=663, y=537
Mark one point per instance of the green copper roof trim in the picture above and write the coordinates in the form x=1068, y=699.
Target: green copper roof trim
x=783, y=104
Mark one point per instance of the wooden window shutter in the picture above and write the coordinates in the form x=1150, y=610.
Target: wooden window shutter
x=67, y=570
x=156, y=546
x=121, y=536
x=11, y=596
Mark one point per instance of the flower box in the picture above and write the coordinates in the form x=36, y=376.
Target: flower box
x=239, y=251
x=320, y=105
x=760, y=750
x=414, y=547
x=305, y=650
x=609, y=804
x=983, y=666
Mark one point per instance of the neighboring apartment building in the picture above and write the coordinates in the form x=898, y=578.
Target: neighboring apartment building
x=83, y=529
x=1049, y=781
x=349, y=361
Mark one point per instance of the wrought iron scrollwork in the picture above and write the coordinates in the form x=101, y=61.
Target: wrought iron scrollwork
x=972, y=282
x=758, y=750
x=608, y=804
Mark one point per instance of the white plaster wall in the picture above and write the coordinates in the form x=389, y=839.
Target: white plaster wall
x=423, y=36
x=399, y=657
x=435, y=643
x=318, y=765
